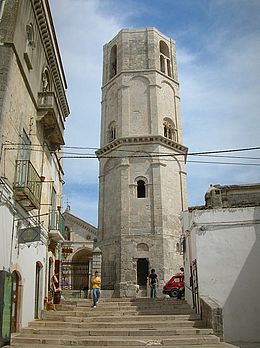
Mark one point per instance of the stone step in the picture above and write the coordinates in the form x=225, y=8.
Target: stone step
x=122, y=341
x=207, y=345
x=95, y=312
x=126, y=302
x=64, y=316
x=118, y=332
x=133, y=310
x=116, y=324
x=144, y=306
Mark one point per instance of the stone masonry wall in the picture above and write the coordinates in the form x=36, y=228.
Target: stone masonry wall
x=212, y=315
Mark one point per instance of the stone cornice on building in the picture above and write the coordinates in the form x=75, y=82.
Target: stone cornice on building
x=74, y=219
x=150, y=139
x=49, y=40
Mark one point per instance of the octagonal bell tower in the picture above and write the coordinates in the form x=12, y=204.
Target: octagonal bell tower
x=142, y=178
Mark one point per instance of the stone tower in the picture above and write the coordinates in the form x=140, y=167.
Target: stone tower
x=142, y=178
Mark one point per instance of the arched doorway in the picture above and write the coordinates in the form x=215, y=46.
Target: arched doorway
x=79, y=269
x=50, y=272
x=16, y=301
x=142, y=271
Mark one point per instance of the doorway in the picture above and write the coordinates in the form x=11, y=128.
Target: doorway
x=37, y=304
x=142, y=271
x=15, y=301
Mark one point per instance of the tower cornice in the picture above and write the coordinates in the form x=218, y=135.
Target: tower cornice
x=140, y=71
x=150, y=139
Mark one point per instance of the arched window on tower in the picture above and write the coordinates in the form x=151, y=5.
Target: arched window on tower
x=112, y=132
x=165, y=62
x=169, y=130
x=113, y=62
x=141, y=191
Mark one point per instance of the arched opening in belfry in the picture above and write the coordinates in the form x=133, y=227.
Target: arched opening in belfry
x=113, y=62
x=112, y=131
x=169, y=130
x=142, y=271
x=165, y=62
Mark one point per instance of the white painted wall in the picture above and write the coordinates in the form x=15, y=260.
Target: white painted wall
x=226, y=244
x=24, y=261
x=6, y=223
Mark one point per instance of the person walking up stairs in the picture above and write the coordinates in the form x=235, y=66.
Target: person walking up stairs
x=119, y=323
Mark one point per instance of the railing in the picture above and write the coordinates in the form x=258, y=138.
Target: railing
x=56, y=222
x=26, y=177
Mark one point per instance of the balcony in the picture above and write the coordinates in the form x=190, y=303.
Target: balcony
x=27, y=185
x=49, y=115
x=56, y=226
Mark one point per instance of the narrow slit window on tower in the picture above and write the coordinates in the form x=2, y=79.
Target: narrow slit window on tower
x=140, y=189
x=113, y=62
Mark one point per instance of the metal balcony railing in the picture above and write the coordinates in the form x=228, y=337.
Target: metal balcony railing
x=56, y=222
x=27, y=185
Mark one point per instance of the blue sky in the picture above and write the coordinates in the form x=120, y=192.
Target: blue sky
x=218, y=57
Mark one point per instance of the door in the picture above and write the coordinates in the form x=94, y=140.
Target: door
x=15, y=300
x=5, y=307
x=24, y=156
x=37, y=304
x=195, y=286
x=142, y=271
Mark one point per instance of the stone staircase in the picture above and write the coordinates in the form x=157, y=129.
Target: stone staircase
x=118, y=323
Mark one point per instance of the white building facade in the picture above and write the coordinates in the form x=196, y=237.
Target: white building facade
x=221, y=257
x=33, y=109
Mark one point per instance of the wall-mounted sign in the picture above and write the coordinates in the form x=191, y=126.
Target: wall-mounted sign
x=29, y=234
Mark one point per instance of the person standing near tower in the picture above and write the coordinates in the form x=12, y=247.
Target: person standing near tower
x=153, y=283
x=95, y=282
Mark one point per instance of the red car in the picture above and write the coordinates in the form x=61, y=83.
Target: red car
x=176, y=283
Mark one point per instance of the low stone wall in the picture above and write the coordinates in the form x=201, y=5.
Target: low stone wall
x=211, y=313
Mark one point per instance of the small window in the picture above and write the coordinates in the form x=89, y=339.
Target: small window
x=112, y=132
x=30, y=44
x=113, y=62
x=45, y=80
x=141, y=189
x=29, y=35
x=169, y=130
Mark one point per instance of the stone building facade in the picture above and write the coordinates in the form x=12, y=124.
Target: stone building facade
x=33, y=109
x=142, y=157
x=80, y=255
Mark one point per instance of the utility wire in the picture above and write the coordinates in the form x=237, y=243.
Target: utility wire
x=95, y=148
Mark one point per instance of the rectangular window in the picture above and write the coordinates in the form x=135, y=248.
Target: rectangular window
x=2, y=2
